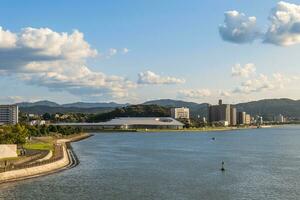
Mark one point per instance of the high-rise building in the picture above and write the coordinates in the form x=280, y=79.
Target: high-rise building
x=222, y=113
x=242, y=118
x=260, y=120
x=9, y=114
x=279, y=118
x=233, y=117
x=248, y=119
x=180, y=113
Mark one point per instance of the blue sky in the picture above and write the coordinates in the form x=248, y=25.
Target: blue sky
x=149, y=50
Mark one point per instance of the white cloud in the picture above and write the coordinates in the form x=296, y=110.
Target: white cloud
x=57, y=61
x=194, y=94
x=125, y=50
x=149, y=77
x=245, y=71
x=285, y=25
x=112, y=52
x=284, y=28
x=263, y=83
x=45, y=42
x=80, y=80
x=239, y=28
x=224, y=93
x=7, y=39
x=11, y=99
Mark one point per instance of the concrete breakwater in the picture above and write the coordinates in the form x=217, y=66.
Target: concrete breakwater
x=68, y=160
x=35, y=171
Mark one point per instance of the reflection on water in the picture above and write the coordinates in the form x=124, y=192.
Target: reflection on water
x=260, y=164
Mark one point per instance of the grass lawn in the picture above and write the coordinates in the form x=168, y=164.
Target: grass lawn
x=38, y=146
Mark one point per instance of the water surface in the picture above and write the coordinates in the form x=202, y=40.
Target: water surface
x=260, y=164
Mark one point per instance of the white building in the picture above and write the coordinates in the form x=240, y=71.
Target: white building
x=180, y=113
x=37, y=122
x=9, y=114
x=131, y=123
x=279, y=118
x=248, y=119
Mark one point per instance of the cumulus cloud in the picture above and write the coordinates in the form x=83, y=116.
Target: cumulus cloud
x=255, y=85
x=245, y=71
x=284, y=28
x=238, y=28
x=224, y=93
x=57, y=61
x=7, y=39
x=151, y=78
x=194, y=94
x=113, y=52
x=125, y=50
x=263, y=83
x=285, y=25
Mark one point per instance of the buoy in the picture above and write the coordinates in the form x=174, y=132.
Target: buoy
x=223, y=168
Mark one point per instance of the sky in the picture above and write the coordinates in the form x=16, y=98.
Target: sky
x=138, y=50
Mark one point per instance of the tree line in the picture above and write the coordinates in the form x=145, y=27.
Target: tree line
x=132, y=111
x=18, y=134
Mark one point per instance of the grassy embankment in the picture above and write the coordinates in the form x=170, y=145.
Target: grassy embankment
x=47, y=142
x=40, y=143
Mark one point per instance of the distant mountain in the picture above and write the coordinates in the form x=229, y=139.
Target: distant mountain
x=171, y=103
x=93, y=105
x=268, y=108
x=52, y=110
x=71, y=105
x=38, y=103
x=41, y=107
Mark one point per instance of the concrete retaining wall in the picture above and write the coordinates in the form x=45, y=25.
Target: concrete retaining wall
x=35, y=171
x=47, y=157
x=8, y=151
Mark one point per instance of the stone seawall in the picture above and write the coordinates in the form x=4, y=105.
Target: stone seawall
x=36, y=171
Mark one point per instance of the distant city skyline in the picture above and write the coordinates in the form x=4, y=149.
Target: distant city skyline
x=132, y=51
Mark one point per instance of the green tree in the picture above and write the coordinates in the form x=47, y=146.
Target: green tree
x=46, y=116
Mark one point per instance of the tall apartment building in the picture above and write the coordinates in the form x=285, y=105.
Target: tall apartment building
x=279, y=118
x=233, y=117
x=180, y=113
x=248, y=119
x=222, y=113
x=9, y=114
x=242, y=118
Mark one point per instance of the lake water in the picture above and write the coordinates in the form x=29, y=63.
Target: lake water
x=260, y=164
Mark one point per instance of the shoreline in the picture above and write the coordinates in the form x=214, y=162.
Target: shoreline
x=216, y=129
x=69, y=160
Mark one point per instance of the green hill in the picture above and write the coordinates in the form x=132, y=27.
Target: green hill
x=268, y=108
x=132, y=111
